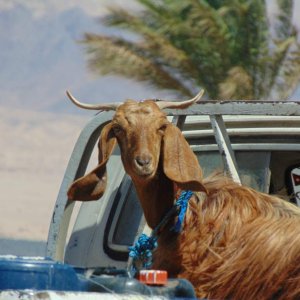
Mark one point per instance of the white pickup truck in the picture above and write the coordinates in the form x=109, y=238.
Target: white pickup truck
x=255, y=142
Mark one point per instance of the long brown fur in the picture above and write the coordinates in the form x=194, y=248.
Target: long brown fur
x=236, y=243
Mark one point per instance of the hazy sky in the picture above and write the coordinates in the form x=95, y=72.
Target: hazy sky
x=40, y=56
x=39, y=59
x=92, y=7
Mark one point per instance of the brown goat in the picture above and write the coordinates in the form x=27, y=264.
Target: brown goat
x=236, y=243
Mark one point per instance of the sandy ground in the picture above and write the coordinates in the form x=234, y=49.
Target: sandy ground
x=34, y=152
x=26, y=210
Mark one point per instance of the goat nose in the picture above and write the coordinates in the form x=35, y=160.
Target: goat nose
x=143, y=161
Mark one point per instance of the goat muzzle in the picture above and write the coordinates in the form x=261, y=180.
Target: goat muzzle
x=143, y=165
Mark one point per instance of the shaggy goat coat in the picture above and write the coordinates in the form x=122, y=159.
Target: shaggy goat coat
x=236, y=243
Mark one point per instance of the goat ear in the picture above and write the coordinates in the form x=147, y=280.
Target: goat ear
x=92, y=185
x=180, y=164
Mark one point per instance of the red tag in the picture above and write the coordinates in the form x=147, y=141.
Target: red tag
x=153, y=277
x=296, y=179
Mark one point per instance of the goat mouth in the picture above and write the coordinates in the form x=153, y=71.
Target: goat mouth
x=145, y=174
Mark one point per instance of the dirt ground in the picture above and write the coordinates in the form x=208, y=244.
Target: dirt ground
x=34, y=151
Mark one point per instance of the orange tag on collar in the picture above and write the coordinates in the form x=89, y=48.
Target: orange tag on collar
x=153, y=277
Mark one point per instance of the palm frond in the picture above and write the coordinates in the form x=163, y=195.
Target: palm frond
x=283, y=25
x=237, y=85
x=289, y=75
x=224, y=46
x=158, y=7
x=253, y=36
x=275, y=61
x=154, y=44
x=116, y=56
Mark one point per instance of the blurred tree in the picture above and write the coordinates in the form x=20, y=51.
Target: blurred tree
x=227, y=47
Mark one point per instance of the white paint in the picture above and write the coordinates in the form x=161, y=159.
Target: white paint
x=51, y=295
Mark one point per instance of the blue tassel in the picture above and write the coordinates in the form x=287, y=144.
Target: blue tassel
x=143, y=247
x=182, y=204
x=142, y=250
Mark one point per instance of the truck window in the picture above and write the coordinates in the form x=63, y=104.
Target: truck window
x=253, y=167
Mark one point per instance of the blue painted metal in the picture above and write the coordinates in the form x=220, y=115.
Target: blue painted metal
x=22, y=273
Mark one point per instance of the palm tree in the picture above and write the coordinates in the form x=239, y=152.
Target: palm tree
x=226, y=47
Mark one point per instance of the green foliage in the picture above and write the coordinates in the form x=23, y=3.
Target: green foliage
x=226, y=47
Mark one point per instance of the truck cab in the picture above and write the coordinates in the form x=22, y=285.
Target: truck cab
x=256, y=143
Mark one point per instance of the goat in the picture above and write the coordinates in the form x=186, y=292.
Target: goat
x=236, y=243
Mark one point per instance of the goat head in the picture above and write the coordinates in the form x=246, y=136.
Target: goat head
x=152, y=150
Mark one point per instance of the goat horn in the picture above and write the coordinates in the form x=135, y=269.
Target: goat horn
x=102, y=106
x=181, y=104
